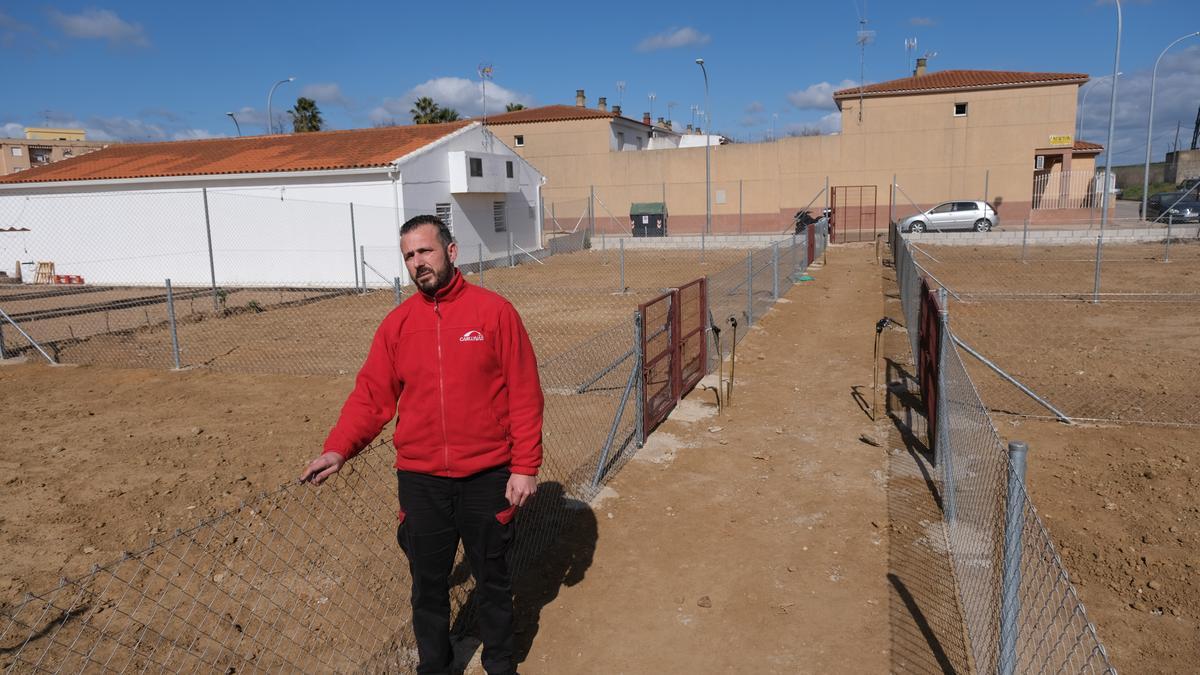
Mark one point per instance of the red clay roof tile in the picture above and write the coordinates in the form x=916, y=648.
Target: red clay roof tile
x=956, y=80
x=322, y=150
x=554, y=113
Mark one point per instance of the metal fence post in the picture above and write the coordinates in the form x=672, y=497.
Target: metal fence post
x=353, y=244
x=1167, y=248
x=793, y=252
x=621, y=287
x=1096, y=282
x=174, y=332
x=362, y=263
x=749, y=289
x=942, y=450
x=3, y=354
x=740, y=209
x=212, y=269
x=638, y=363
x=702, y=242
x=480, y=259
x=592, y=210
x=1025, y=239
x=892, y=202
x=1014, y=526
x=510, y=249
x=396, y=287
x=774, y=270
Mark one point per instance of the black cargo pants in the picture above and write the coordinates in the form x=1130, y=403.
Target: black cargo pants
x=435, y=513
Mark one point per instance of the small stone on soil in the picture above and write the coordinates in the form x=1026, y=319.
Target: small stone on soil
x=704, y=602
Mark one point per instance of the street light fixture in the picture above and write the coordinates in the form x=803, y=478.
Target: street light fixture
x=1150, y=119
x=270, y=121
x=1083, y=104
x=707, y=153
x=1112, y=121
x=235, y=123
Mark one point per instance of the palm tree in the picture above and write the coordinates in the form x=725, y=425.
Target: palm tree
x=446, y=115
x=424, y=111
x=306, y=116
x=513, y=107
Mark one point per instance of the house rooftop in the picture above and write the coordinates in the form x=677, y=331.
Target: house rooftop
x=314, y=151
x=959, y=80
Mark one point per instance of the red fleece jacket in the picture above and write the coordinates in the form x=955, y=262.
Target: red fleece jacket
x=462, y=369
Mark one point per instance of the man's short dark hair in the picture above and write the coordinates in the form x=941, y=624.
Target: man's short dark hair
x=413, y=223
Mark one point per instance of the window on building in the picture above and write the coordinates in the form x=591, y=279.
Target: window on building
x=960, y=109
x=39, y=155
x=519, y=141
x=476, y=167
x=508, y=169
x=17, y=152
x=445, y=214
x=498, y=218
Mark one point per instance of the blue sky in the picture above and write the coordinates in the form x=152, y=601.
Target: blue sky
x=170, y=70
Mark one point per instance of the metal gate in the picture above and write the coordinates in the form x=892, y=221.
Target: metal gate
x=675, y=348
x=854, y=213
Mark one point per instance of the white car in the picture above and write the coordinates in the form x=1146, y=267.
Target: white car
x=956, y=215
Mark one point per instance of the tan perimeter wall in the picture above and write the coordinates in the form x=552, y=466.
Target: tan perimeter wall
x=934, y=155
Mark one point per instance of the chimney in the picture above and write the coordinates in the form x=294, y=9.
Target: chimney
x=661, y=123
x=689, y=128
x=603, y=104
x=580, y=99
x=921, y=61
x=646, y=118
x=617, y=110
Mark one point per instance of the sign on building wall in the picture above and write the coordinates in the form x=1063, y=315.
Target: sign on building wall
x=1063, y=139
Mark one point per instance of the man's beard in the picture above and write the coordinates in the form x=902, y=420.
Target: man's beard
x=434, y=282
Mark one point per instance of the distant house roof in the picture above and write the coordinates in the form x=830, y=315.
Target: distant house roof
x=1087, y=146
x=960, y=80
x=554, y=113
x=316, y=151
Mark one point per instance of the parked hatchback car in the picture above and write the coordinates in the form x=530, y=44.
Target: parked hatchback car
x=1173, y=205
x=956, y=215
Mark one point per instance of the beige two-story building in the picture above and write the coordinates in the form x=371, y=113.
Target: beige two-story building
x=951, y=135
x=42, y=146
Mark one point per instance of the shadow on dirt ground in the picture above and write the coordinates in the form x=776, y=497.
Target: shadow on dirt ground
x=926, y=624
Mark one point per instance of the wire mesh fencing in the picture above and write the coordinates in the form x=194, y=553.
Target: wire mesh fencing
x=1020, y=610
x=1124, y=353
x=302, y=579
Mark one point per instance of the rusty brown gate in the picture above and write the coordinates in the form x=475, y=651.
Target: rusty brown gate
x=854, y=213
x=674, y=348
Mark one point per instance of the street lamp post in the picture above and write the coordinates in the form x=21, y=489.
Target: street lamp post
x=235, y=123
x=707, y=153
x=1112, y=121
x=270, y=121
x=1083, y=104
x=1150, y=119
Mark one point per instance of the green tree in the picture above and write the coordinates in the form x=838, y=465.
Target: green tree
x=306, y=116
x=424, y=111
x=513, y=107
x=446, y=115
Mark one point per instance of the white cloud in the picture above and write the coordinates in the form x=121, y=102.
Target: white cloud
x=12, y=130
x=327, y=93
x=673, y=38
x=1174, y=103
x=100, y=24
x=921, y=21
x=755, y=108
x=193, y=134
x=827, y=124
x=818, y=96
x=463, y=95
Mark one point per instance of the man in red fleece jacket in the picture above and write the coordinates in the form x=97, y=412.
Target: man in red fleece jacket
x=455, y=366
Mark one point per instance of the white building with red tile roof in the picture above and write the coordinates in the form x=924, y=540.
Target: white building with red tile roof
x=295, y=209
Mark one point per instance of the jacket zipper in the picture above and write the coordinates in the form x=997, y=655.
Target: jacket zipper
x=442, y=385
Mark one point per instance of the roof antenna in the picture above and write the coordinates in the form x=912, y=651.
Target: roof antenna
x=910, y=47
x=485, y=74
x=864, y=38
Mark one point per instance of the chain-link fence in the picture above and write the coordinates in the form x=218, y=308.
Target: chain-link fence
x=1021, y=612
x=1101, y=329
x=299, y=578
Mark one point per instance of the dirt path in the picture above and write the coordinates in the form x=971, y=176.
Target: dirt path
x=754, y=541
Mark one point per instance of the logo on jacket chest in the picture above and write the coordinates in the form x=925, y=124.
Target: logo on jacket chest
x=471, y=336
